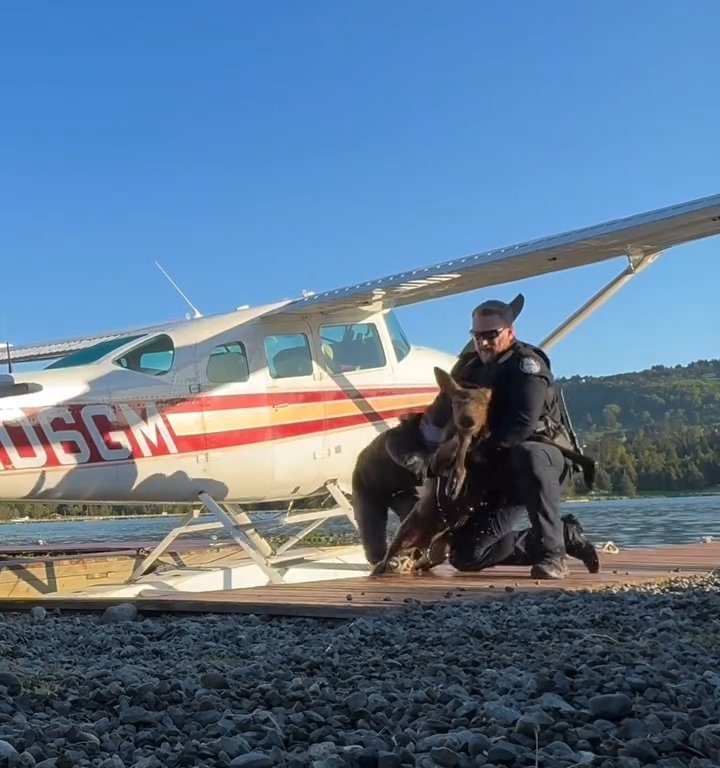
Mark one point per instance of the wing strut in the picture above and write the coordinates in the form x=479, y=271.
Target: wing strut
x=637, y=261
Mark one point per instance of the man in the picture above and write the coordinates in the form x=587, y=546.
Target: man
x=527, y=473
x=380, y=481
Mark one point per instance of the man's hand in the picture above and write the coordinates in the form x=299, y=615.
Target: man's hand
x=417, y=463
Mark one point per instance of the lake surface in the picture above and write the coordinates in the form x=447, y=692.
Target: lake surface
x=627, y=522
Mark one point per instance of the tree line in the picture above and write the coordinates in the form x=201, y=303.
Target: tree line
x=654, y=430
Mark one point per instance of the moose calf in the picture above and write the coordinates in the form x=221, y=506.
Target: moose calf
x=427, y=527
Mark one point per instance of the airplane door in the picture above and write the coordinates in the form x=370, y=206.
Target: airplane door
x=358, y=368
x=295, y=406
x=234, y=409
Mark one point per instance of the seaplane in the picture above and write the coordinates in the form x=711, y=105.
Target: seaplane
x=270, y=405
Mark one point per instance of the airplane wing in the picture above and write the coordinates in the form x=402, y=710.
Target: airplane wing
x=643, y=234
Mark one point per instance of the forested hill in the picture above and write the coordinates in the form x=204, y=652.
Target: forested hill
x=656, y=430
x=660, y=398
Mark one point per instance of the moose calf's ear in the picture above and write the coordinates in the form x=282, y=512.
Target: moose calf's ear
x=445, y=381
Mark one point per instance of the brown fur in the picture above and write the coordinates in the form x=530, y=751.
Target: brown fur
x=424, y=527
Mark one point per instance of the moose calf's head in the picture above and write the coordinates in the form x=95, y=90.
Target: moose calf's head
x=469, y=404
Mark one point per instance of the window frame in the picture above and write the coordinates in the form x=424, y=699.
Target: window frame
x=243, y=348
x=270, y=358
x=138, y=347
x=330, y=363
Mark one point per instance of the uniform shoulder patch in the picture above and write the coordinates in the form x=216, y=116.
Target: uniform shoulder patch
x=529, y=365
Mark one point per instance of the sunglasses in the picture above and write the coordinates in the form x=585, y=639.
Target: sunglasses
x=486, y=335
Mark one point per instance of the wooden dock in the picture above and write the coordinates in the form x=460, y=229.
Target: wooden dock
x=33, y=570
x=350, y=598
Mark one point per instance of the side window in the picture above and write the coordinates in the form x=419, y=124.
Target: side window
x=154, y=357
x=397, y=336
x=228, y=363
x=352, y=347
x=288, y=354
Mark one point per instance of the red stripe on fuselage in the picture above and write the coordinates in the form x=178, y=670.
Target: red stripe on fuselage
x=240, y=437
x=85, y=441
x=261, y=399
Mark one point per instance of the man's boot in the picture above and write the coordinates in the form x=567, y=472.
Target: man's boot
x=578, y=545
x=550, y=567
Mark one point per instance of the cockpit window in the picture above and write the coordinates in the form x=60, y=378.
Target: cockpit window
x=91, y=354
x=228, y=362
x=154, y=357
x=351, y=347
x=288, y=355
x=399, y=340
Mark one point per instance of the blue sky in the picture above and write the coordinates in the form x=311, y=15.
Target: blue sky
x=257, y=149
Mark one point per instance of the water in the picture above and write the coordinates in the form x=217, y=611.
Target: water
x=627, y=522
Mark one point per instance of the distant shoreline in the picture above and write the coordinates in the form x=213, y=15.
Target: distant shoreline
x=153, y=515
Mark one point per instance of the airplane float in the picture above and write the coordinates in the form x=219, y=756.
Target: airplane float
x=271, y=403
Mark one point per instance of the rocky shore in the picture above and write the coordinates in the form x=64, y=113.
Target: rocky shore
x=618, y=679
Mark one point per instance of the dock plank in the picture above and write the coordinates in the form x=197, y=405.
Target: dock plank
x=353, y=597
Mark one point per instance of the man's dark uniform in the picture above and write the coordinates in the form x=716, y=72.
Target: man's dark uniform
x=526, y=473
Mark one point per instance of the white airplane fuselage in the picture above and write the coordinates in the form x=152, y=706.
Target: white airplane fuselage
x=214, y=411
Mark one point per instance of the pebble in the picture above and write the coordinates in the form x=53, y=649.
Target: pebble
x=597, y=679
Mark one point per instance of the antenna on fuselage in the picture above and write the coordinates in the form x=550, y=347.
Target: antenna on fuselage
x=196, y=312
x=9, y=359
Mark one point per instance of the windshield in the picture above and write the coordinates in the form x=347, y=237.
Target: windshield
x=91, y=354
x=400, y=343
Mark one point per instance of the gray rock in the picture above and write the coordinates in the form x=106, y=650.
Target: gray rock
x=623, y=761
x=707, y=740
x=355, y=701
x=367, y=757
x=533, y=722
x=214, y=681
x=478, y=744
x=252, y=760
x=501, y=714
x=503, y=753
x=560, y=749
x=11, y=682
x=234, y=745
x=375, y=702
x=136, y=716
x=333, y=761
x=390, y=760
x=445, y=757
x=585, y=758
x=553, y=701
x=610, y=706
x=119, y=613
x=112, y=762
x=9, y=754
x=642, y=749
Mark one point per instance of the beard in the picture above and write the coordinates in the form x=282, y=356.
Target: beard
x=486, y=356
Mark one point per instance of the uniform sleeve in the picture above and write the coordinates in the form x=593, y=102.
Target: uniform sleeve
x=525, y=402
